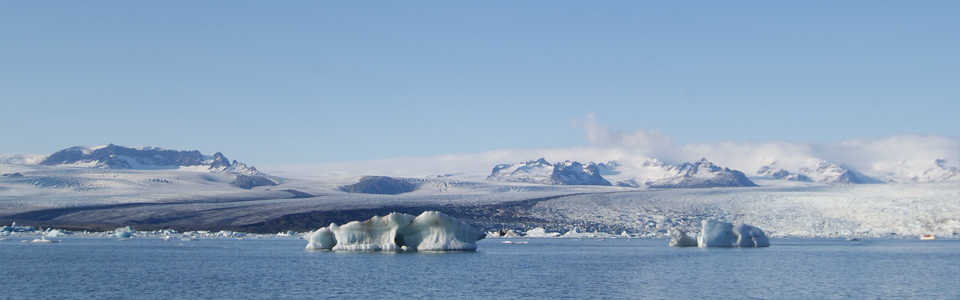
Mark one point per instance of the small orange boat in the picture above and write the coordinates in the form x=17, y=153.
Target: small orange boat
x=928, y=237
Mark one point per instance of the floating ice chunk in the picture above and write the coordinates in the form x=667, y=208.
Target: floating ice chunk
x=123, y=233
x=435, y=231
x=321, y=239
x=721, y=234
x=575, y=234
x=681, y=239
x=15, y=228
x=55, y=233
x=43, y=239
x=430, y=231
x=228, y=233
x=750, y=236
x=376, y=234
x=540, y=232
x=503, y=233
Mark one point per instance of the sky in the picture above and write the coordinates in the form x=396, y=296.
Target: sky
x=303, y=82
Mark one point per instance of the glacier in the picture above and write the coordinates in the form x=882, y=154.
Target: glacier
x=155, y=199
x=430, y=231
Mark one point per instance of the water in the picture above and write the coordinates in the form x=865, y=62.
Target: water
x=102, y=268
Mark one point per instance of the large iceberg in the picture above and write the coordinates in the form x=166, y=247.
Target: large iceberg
x=430, y=231
x=714, y=233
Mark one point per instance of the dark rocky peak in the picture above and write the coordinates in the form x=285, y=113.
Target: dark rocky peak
x=575, y=173
x=65, y=156
x=380, y=185
x=249, y=182
x=942, y=163
x=119, y=157
x=220, y=161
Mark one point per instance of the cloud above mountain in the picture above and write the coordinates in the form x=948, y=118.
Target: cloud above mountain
x=874, y=156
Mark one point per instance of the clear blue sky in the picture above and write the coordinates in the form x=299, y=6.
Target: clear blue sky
x=324, y=81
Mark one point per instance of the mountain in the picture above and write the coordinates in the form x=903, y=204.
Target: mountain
x=542, y=172
x=815, y=171
x=701, y=174
x=918, y=171
x=145, y=158
x=938, y=172
x=782, y=174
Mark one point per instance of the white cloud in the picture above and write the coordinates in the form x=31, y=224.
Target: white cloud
x=603, y=136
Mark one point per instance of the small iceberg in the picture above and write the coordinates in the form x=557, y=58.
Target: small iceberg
x=55, y=233
x=515, y=242
x=576, y=234
x=539, y=232
x=16, y=228
x=681, y=239
x=123, y=233
x=43, y=239
x=430, y=231
x=503, y=233
x=714, y=233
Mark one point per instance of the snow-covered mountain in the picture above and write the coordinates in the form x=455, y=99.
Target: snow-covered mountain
x=542, y=172
x=938, y=172
x=145, y=158
x=701, y=174
x=915, y=171
x=815, y=171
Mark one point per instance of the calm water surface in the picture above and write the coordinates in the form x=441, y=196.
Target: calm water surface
x=102, y=268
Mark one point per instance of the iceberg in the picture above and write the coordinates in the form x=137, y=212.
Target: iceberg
x=16, y=228
x=539, y=232
x=721, y=234
x=430, y=231
x=681, y=239
x=123, y=233
x=503, y=233
x=55, y=233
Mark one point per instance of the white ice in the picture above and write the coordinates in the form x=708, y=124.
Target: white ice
x=681, y=239
x=430, y=231
x=722, y=234
x=539, y=232
x=55, y=233
x=123, y=233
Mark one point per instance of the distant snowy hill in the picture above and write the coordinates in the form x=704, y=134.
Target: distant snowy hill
x=814, y=171
x=145, y=158
x=380, y=185
x=918, y=172
x=701, y=174
x=22, y=159
x=542, y=172
x=938, y=172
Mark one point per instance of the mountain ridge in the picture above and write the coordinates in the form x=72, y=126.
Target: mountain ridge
x=143, y=158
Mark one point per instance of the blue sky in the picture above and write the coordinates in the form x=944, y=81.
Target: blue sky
x=311, y=82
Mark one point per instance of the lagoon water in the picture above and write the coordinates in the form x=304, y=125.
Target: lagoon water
x=277, y=268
